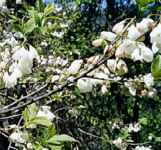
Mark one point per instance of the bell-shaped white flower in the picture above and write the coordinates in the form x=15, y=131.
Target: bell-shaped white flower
x=75, y=66
x=97, y=42
x=132, y=87
x=136, y=55
x=101, y=75
x=145, y=25
x=112, y=64
x=146, y=53
x=11, y=80
x=155, y=35
x=104, y=89
x=109, y=36
x=93, y=59
x=148, y=80
x=156, y=47
x=118, y=28
x=33, y=53
x=142, y=53
x=84, y=85
x=121, y=67
x=24, y=59
x=133, y=33
x=125, y=49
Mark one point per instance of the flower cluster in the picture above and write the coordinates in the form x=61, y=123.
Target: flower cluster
x=22, y=65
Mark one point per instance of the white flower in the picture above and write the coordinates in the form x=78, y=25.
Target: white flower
x=131, y=87
x=142, y=148
x=84, y=85
x=97, y=42
x=145, y=25
x=33, y=53
x=93, y=59
x=136, y=55
x=58, y=8
x=45, y=112
x=44, y=43
x=119, y=144
x=115, y=126
x=11, y=41
x=55, y=78
x=148, y=80
x=75, y=66
x=118, y=28
x=11, y=80
x=101, y=75
x=155, y=35
x=142, y=53
x=58, y=34
x=104, y=89
x=146, y=53
x=24, y=59
x=17, y=137
x=121, y=67
x=29, y=146
x=125, y=49
x=133, y=33
x=134, y=127
x=112, y=64
x=156, y=47
x=109, y=36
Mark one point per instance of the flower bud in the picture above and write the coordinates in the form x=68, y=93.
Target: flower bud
x=109, y=36
x=97, y=42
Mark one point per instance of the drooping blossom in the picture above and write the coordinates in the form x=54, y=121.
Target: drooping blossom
x=109, y=36
x=75, y=66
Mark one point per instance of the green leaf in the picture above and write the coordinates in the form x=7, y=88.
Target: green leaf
x=61, y=139
x=156, y=67
x=41, y=121
x=35, y=15
x=29, y=26
x=143, y=121
x=30, y=112
x=55, y=147
x=48, y=10
x=18, y=27
x=40, y=5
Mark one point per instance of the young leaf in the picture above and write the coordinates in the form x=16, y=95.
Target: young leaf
x=39, y=5
x=61, y=138
x=29, y=26
x=41, y=121
x=55, y=147
x=48, y=10
x=30, y=112
x=156, y=67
